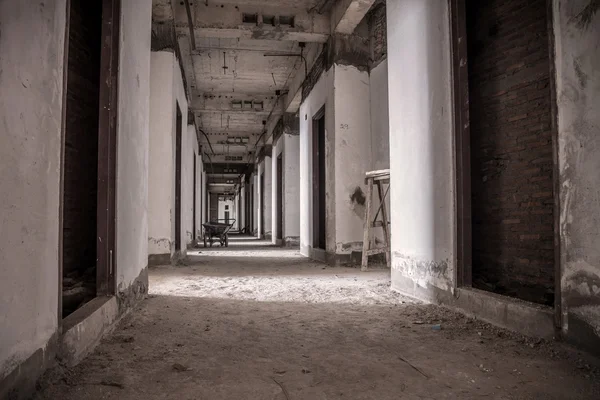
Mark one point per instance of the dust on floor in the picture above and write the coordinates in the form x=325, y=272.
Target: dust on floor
x=259, y=322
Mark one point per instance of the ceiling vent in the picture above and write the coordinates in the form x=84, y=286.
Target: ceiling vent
x=286, y=20
x=250, y=18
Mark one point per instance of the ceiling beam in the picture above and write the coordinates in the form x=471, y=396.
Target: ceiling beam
x=232, y=22
x=347, y=14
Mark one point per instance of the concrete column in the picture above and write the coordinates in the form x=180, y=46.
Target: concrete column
x=268, y=206
x=291, y=183
x=255, y=224
x=242, y=224
x=277, y=150
x=421, y=147
x=161, y=163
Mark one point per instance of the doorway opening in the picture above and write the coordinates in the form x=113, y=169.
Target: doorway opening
x=89, y=154
x=280, y=197
x=178, y=129
x=251, y=207
x=506, y=152
x=318, y=150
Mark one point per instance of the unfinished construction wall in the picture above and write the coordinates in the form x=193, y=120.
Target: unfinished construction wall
x=277, y=151
x=180, y=97
x=31, y=103
x=511, y=148
x=189, y=146
x=421, y=140
x=161, y=162
x=291, y=187
x=133, y=143
x=266, y=168
x=576, y=30
x=352, y=154
x=321, y=95
x=380, y=118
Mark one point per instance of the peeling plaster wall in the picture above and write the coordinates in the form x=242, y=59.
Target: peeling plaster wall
x=256, y=204
x=291, y=188
x=31, y=89
x=189, y=147
x=161, y=162
x=277, y=150
x=577, y=41
x=267, y=209
x=321, y=95
x=352, y=155
x=380, y=116
x=181, y=99
x=133, y=141
x=421, y=146
x=380, y=128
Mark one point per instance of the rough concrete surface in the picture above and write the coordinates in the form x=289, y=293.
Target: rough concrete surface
x=260, y=322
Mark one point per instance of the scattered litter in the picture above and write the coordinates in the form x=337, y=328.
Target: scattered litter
x=418, y=322
x=280, y=371
x=305, y=371
x=437, y=327
x=180, y=368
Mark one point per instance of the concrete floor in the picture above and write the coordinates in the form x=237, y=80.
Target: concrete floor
x=258, y=322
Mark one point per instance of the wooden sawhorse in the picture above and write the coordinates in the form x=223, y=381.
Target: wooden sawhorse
x=379, y=178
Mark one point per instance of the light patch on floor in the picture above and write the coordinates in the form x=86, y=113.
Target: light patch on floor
x=258, y=322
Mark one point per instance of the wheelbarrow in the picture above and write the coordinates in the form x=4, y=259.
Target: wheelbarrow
x=217, y=230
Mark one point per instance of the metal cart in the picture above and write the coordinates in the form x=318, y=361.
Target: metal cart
x=219, y=230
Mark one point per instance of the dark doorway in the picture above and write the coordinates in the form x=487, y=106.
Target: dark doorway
x=280, y=197
x=509, y=145
x=262, y=205
x=178, y=129
x=89, y=158
x=318, y=148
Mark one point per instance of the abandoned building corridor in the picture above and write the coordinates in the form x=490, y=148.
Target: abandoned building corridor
x=254, y=321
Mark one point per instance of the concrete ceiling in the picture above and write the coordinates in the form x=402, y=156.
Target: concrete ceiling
x=235, y=90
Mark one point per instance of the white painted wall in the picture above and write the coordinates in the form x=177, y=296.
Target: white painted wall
x=352, y=155
x=380, y=128
x=578, y=93
x=291, y=188
x=168, y=91
x=189, y=147
x=255, y=179
x=232, y=212
x=161, y=163
x=242, y=200
x=181, y=99
x=321, y=95
x=421, y=144
x=277, y=151
x=268, y=199
x=133, y=141
x=380, y=116
x=31, y=61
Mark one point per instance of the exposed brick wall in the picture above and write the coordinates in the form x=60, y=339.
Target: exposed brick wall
x=378, y=33
x=81, y=141
x=314, y=74
x=511, y=148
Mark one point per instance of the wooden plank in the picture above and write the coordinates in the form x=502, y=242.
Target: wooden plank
x=367, y=227
x=377, y=251
x=381, y=172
